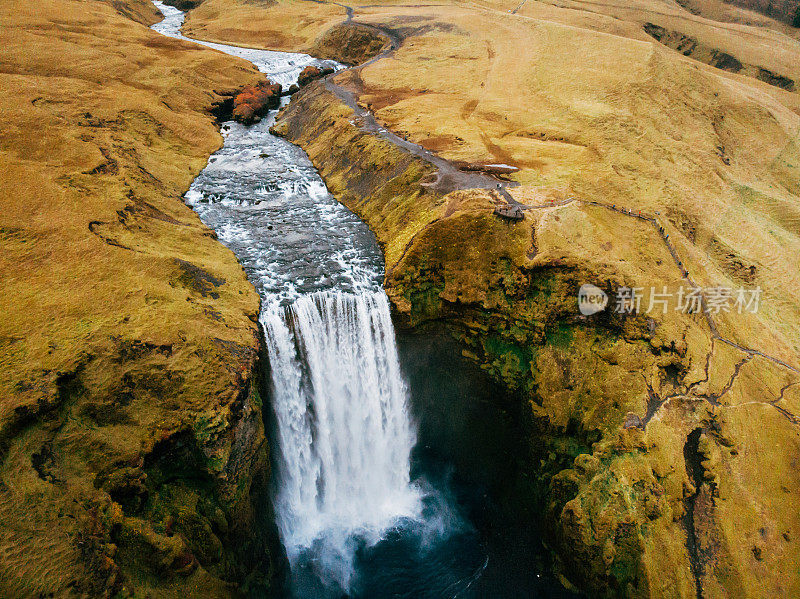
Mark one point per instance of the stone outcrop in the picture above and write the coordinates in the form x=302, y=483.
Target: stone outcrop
x=312, y=73
x=308, y=74
x=351, y=43
x=782, y=10
x=689, y=46
x=184, y=4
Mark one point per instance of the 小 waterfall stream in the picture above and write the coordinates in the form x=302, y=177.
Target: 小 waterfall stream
x=356, y=512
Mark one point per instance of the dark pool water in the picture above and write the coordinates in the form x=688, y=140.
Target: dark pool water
x=470, y=442
x=469, y=453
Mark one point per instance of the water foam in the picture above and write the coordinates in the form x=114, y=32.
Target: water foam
x=344, y=426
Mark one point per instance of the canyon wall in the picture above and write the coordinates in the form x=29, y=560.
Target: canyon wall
x=647, y=434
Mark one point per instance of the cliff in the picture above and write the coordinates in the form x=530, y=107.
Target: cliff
x=133, y=460
x=661, y=442
x=641, y=428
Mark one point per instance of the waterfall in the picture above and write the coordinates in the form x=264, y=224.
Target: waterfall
x=351, y=520
x=344, y=428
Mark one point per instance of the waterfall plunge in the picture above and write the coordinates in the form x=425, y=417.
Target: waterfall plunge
x=344, y=434
x=344, y=428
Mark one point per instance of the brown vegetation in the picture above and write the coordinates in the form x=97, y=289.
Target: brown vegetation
x=133, y=459
x=254, y=101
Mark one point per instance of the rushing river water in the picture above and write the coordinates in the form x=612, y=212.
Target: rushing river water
x=353, y=520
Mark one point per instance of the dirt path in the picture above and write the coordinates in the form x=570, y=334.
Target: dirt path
x=448, y=176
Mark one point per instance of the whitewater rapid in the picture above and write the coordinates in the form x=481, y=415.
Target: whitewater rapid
x=341, y=405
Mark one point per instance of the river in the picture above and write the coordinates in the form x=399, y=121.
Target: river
x=367, y=502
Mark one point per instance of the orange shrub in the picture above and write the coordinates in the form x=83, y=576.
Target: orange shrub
x=254, y=101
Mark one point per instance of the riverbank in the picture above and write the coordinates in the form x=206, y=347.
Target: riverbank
x=132, y=446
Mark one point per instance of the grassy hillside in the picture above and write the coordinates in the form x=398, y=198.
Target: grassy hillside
x=783, y=10
x=132, y=452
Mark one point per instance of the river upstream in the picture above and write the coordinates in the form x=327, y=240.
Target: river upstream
x=368, y=498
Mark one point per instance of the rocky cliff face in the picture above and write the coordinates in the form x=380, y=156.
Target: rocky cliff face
x=647, y=435
x=133, y=460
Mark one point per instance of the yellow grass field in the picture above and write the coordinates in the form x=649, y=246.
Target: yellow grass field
x=124, y=324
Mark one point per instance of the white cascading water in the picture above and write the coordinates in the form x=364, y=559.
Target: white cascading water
x=345, y=432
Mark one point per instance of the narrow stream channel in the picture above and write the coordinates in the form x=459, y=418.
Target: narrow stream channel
x=361, y=511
